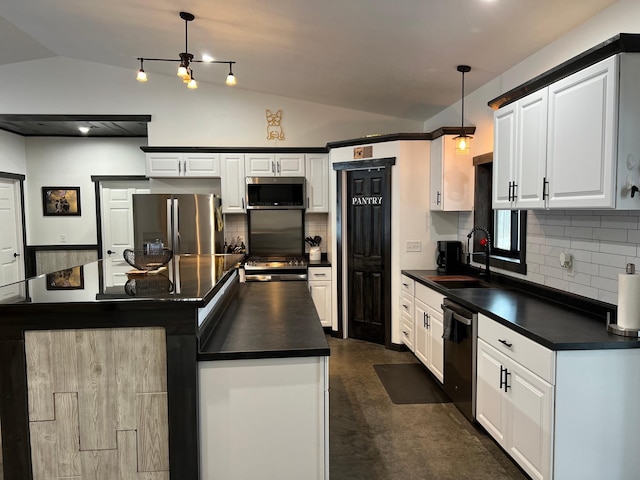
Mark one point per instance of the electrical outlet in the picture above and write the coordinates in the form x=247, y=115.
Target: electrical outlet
x=63, y=238
x=414, y=246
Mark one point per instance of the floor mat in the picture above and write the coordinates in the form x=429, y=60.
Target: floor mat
x=409, y=383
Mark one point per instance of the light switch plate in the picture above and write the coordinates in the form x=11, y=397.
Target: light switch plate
x=414, y=246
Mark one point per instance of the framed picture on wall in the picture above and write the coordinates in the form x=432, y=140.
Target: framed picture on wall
x=61, y=201
x=67, y=279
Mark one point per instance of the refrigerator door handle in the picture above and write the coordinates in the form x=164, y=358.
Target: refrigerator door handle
x=176, y=227
x=170, y=223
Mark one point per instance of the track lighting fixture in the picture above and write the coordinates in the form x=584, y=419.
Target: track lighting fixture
x=185, y=60
x=463, y=141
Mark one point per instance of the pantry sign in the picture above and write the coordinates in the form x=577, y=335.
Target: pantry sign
x=377, y=200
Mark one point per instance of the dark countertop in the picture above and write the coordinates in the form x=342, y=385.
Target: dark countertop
x=187, y=278
x=323, y=262
x=267, y=320
x=548, y=322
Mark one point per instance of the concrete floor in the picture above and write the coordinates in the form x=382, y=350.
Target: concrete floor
x=372, y=438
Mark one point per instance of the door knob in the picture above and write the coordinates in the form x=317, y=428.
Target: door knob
x=16, y=255
x=109, y=252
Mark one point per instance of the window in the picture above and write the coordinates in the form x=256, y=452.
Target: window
x=508, y=227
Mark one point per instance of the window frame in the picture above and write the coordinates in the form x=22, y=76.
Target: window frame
x=484, y=214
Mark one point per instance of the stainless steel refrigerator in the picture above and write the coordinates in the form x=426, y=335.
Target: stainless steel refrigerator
x=185, y=223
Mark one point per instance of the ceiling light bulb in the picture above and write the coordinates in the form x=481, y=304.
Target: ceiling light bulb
x=192, y=84
x=463, y=145
x=182, y=71
x=231, y=79
x=84, y=130
x=142, y=76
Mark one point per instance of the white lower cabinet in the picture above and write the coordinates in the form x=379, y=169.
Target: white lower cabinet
x=319, y=283
x=514, y=404
x=421, y=324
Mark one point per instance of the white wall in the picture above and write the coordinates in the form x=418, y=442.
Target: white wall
x=212, y=115
x=12, y=153
x=70, y=162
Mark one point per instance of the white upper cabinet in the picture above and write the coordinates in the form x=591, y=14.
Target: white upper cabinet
x=233, y=183
x=556, y=148
x=270, y=165
x=519, y=160
x=451, y=177
x=178, y=164
x=317, y=173
x=202, y=164
x=581, y=148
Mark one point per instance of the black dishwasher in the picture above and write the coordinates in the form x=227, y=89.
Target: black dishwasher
x=460, y=340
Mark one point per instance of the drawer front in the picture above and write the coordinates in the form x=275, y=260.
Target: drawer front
x=319, y=273
x=406, y=330
x=531, y=355
x=430, y=297
x=406, y=284
x=406, y=304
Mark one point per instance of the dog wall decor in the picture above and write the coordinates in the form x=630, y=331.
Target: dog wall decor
x=274, y=129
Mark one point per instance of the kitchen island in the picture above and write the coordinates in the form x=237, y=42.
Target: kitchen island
x=99, y=382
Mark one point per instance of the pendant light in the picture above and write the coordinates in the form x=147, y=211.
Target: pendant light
x=463, y=141
x=185, y=73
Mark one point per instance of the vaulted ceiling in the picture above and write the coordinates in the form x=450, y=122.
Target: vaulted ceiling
x=394, y=58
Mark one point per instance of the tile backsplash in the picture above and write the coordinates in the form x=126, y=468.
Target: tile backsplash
x=235, y=225
x=600, y=242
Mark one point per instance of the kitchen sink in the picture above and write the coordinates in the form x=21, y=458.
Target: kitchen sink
x=470, y=283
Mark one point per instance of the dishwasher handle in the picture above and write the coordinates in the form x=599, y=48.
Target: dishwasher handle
x=457, y=316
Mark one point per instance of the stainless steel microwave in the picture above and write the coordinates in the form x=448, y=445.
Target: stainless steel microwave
x=275, y=193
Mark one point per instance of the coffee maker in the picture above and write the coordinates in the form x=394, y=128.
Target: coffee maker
x=449, y=258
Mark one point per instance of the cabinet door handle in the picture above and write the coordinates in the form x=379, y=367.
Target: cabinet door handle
x=310, y=288
x=510, y=185
x=406, y=307
x=545, y=190
x=319, y=274
x=16, y=255
x=179, y=167
x=406, y=334
x=273, y=167
x=278, y=166
x=438, y=198
x=507, y=374
x=515, y=191
x=505, y=343
x=406, y=285
x=242, y=200
x=428, y=325
x=502, y=372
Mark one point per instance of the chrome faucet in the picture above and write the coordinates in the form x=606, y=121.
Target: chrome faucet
x=487, y=249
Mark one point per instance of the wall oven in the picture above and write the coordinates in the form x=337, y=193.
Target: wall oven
x=460, y=344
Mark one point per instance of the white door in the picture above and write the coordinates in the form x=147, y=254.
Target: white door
x=491, y=401
x=581, y=146
x=290, y=165
x=11, y=248
x=436, y=344
x=260, y=165
x=530, y=421
x=531, y=141
x=233, y=183
x=321, y=295
x=436, y=160
x=117, y=227
x=504, y=151
x=421, y=341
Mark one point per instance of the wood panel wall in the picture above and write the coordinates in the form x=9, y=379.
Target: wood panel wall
x=98, y=404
